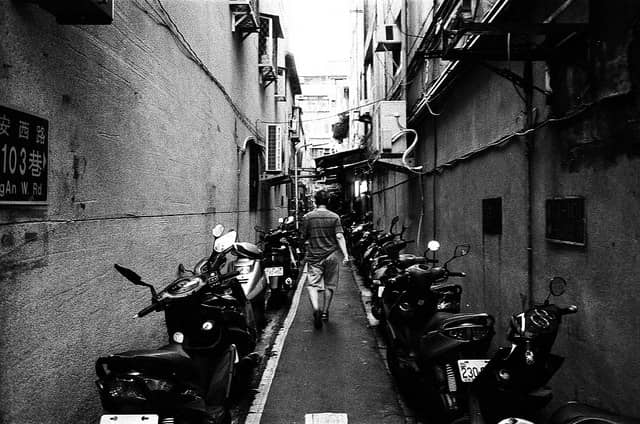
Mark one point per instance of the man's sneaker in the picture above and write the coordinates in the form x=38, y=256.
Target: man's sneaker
x=317, y=319
x=325, y=316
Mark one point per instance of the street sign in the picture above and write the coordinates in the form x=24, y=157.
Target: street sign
x=24, y=155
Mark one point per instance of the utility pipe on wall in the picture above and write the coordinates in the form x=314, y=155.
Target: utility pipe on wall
x=528, y=77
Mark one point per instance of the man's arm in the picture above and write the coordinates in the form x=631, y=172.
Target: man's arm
x=343, y=247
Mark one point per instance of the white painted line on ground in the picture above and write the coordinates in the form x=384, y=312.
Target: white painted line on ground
x=257, y=407
x=326, y=418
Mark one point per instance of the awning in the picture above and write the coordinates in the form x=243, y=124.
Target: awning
x=277, y=28
x=391, y=165
x=341, y=159
x=276, y=180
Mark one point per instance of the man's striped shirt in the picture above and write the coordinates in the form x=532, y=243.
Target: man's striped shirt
x=319, y=228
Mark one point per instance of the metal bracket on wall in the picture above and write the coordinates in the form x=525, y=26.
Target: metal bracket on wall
x=514, y=78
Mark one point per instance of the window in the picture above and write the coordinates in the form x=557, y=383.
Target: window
x=565, y=220
x=281, y=85
x=254, y=177
x=265, y=42
x=492, y=216
x=274, y=148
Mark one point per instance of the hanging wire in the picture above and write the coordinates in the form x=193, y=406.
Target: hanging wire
x=161, y=16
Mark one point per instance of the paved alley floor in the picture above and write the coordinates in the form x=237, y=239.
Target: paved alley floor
x=333, y=374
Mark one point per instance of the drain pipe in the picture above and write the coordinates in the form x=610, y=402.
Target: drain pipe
x=435, y=177
x=529, y=143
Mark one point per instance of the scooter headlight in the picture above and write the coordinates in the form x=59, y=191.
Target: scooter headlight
x=470, y=333
x=243, y=269
x=125, y=390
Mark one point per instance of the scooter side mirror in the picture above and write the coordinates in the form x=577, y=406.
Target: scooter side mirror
x=128, y=274
x=394, y=221
x=181, y=269
x=134, y=278
x=433, y=246
x=461, y=250
x=217, y=230
x=557, y=286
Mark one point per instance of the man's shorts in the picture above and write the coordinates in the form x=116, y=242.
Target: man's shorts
x=324, y=274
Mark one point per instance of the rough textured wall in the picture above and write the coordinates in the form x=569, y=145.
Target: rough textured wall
x=594, y=155
x=481, y=109
x=600, y=341
x=142, y=164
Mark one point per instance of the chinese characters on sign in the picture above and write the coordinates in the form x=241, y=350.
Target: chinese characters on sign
x=24, y=152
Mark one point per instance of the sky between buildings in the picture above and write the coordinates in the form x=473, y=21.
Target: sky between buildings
x=319, y=35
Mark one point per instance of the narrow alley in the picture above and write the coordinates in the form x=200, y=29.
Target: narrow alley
x=183, y=183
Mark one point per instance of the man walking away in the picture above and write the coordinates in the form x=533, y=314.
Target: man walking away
x=323, y=232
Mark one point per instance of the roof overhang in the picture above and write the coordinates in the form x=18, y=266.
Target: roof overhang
x=292, y=70
x=340, y=159
x=276, y=180
x=277, y=28
x=391, y=165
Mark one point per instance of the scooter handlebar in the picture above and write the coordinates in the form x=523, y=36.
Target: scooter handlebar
x=456, y=274
x=566, y=310
x=156, y=306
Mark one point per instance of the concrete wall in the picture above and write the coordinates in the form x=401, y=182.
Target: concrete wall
x=594, y=154
x=143, y=162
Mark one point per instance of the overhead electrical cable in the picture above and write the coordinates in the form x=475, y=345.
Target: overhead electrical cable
x=162, y=17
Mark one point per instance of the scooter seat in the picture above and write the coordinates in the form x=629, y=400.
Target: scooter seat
x=166, y=359
x=248, y=250
x=573, y=413
x=446, y=287
x=406, y=260
x=443, y=319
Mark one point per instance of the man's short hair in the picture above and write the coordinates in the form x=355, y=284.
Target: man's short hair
x=321, y=197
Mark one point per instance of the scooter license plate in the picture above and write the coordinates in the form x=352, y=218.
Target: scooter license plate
x=274, y=271
x=380, y=291
x=470, y=368
x=129, y=419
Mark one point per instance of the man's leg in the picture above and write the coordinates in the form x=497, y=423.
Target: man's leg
x=331, y=275
x=328, y=296
x=315, y=285
x=313, y=297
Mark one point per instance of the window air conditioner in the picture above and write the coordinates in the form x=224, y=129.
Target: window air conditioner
x=386, y=117
x=274, y=148
x=389, y=38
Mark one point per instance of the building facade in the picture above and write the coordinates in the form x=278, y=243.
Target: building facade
x=124, y=142
x=527, y=148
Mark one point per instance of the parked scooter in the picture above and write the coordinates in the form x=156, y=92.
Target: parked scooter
x=429, y=348
x=210, y=326
x=391, y=263
x=282, y=252
x=248, y=263
x=577, y=413
x=513, y=382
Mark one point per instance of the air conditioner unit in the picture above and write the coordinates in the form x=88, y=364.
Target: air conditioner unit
x=274, y=148
x=386, y=117
x=388, y=38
